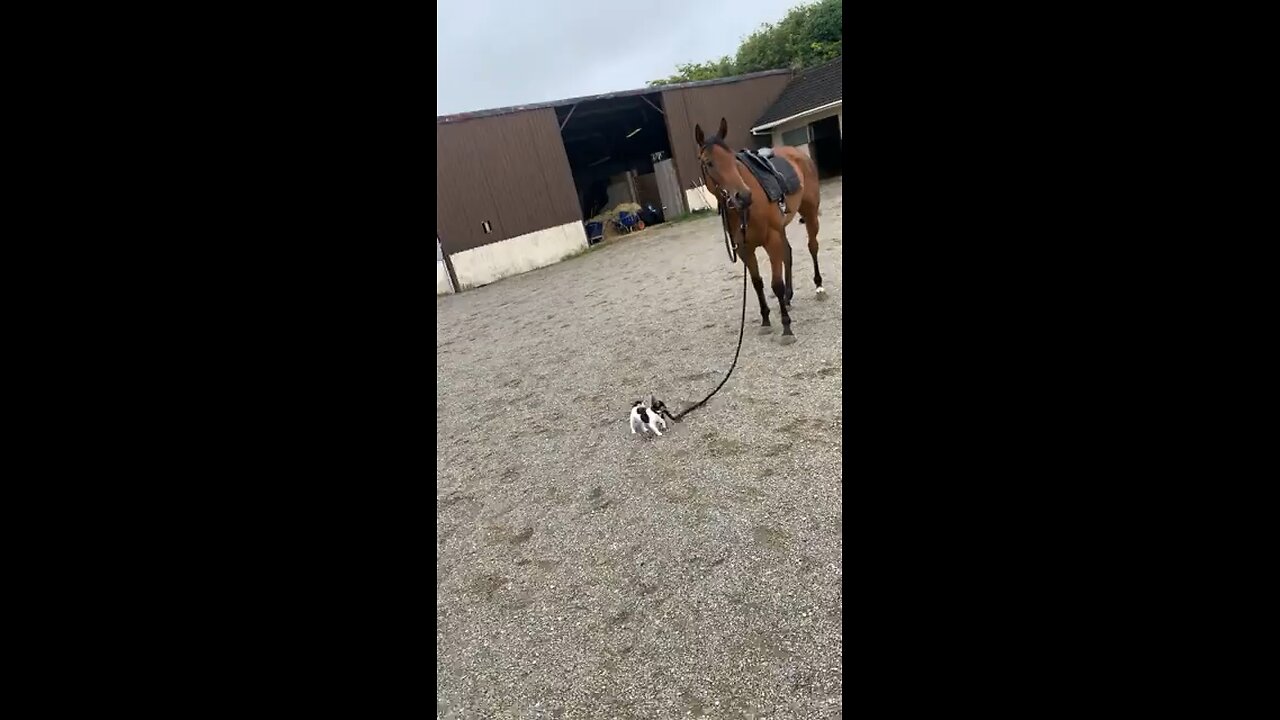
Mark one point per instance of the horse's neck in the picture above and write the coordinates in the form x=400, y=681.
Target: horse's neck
x=732, y=216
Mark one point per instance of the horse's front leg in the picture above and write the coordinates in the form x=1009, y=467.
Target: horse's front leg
x=786, y=247
x=777, y=263
x=749, y=257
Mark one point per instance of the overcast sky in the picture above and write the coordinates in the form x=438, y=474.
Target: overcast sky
x=494, y=53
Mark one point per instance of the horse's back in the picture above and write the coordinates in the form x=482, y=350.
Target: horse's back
x=803, y=164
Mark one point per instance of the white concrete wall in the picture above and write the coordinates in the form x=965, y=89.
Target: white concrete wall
x=443, y=286
x=802, y=148
x=837, y=111
x=487, y=263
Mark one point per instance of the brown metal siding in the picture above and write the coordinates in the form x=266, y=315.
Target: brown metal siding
x=510, y=170
x=740, y=103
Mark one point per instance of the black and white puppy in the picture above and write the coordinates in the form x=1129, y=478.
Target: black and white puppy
x=648, y=417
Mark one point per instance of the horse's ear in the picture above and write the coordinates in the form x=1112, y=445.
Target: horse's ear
x=697, y=134
x=724, y=128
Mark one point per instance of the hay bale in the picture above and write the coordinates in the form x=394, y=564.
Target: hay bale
x=611, y=214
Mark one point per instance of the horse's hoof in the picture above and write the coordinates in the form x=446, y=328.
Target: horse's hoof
x=822, y=293
x=764, y=330
x=787, y=339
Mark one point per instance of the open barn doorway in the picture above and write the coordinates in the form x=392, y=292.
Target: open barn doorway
x=620, y=153
x=826, y=146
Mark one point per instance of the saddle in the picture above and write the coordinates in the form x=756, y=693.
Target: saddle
x=777, y=176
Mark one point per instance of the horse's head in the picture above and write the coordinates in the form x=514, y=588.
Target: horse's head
x=720, y=167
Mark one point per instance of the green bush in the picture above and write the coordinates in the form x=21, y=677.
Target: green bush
x=807, y=35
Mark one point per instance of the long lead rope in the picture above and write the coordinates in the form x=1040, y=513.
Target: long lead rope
x=741, y=329
x=742, y=326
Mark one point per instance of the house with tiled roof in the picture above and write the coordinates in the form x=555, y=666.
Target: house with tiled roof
x=809, y=114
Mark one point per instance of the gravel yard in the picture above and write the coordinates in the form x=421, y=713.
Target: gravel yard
x=585, y=572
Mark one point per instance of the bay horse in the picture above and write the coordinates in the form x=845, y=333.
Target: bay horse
x=736, y=187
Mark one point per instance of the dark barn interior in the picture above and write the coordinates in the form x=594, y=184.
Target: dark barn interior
x=826, y=146
x=612, y=145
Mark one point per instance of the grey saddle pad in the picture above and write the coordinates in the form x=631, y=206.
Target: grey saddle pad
x=767, y=171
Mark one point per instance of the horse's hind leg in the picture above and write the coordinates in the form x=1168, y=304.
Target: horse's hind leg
x=777, y=264
x=809, y=216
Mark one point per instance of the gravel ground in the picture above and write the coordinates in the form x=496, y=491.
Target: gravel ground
x=583, y=572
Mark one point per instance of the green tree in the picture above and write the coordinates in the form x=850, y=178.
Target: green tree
x=807, y=35
x=688, y=72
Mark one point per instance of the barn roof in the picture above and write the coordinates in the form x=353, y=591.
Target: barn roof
x=810, y=89
x=458, y=117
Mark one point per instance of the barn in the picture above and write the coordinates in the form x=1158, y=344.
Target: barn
x=514, y=184
x=809, y=114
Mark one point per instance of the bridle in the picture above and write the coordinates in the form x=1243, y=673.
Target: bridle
x=731, y=246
